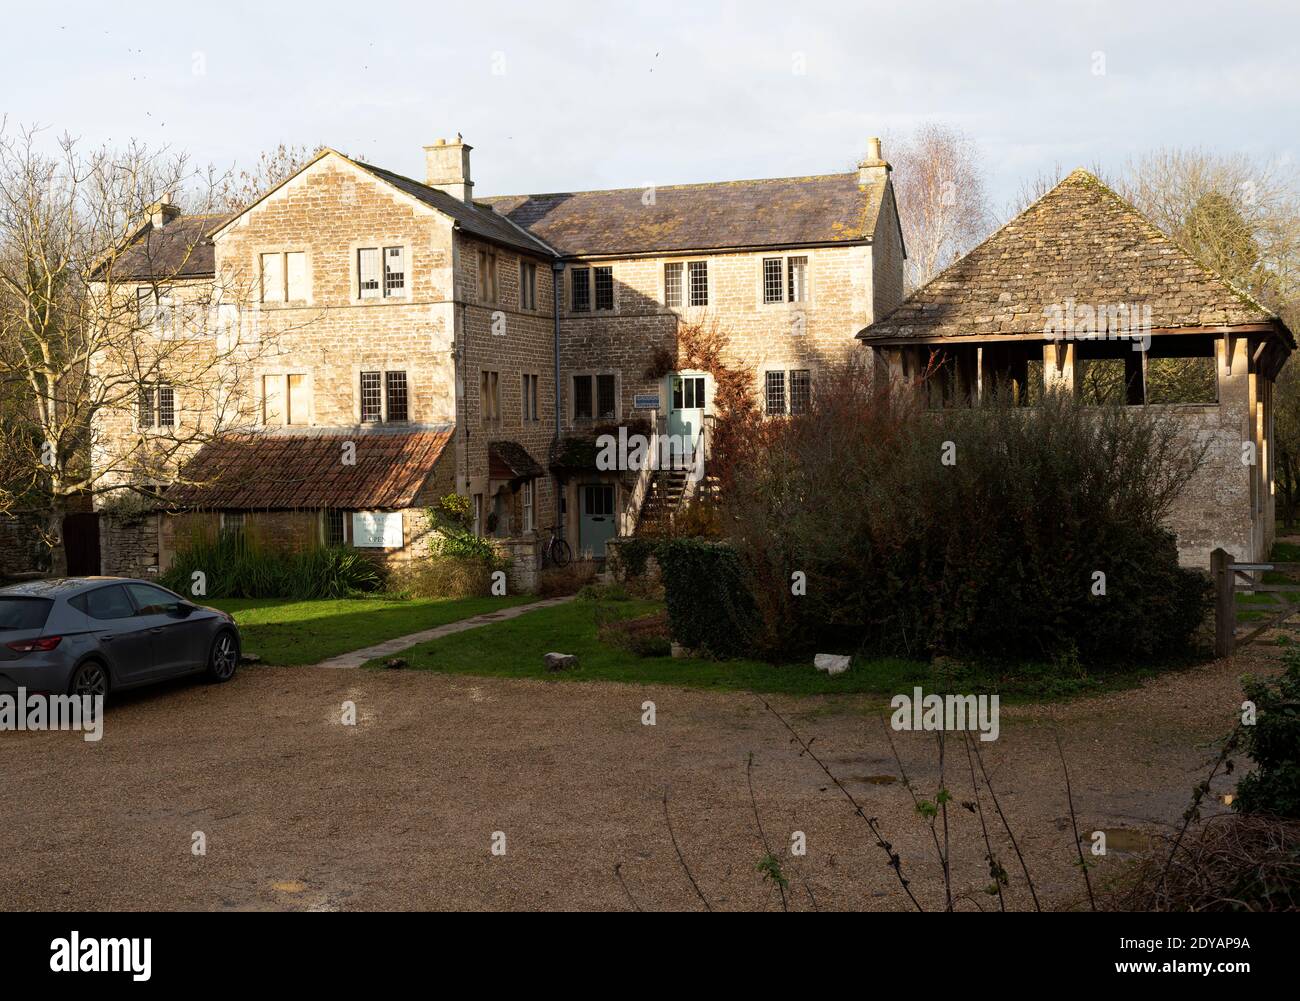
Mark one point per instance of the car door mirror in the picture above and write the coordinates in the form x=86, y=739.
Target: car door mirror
x=184, y=609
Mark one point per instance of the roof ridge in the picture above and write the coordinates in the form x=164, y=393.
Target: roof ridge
x=669, y=187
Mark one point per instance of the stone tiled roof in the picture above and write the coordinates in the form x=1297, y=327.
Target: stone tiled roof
x=292, y=470
x=510, y=460
x=787, y=211
x=181, y=249
x=1079, y=241
x=477, y=220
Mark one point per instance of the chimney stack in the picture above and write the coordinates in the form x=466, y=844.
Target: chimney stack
x=874, y=169
x=163, y=211
x=447, y=167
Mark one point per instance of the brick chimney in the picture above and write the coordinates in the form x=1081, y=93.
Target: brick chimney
x=163, y=211
x=447, y=167
x=873, y=169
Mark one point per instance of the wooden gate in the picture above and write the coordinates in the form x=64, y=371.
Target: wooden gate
x=81, y=542
x=1273, y=580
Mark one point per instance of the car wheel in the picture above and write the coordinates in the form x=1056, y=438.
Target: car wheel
x=90, y=678
x=224, y=657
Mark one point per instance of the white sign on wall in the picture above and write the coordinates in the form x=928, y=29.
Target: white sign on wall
x=377, y=529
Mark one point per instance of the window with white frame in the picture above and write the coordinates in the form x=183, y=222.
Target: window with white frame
x=673, y=272
x=394, y=271
x=698, y=272
x=157, y=406
x=527, y=285
x=381, y=272
x=785, y=279
x=384, y=397
x=526, y=502
x=528, y=409
x=773, y=280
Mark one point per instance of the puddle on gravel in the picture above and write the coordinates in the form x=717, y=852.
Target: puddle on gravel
x=1125, y=839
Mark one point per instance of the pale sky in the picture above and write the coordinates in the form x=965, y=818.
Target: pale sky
x=569, y=96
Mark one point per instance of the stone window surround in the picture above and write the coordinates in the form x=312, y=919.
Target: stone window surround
x=162, y=430
x=537, y=416
x=381, y=366
x=284, y=371
x=785, y=368
x=354, y=276
x=591, y=310
x=685, y=309
x=570, y=395
x=308, y=271
x=521, y=260
x=810, y=285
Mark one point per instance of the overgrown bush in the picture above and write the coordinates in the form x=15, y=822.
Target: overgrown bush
x=646, y=636
x=989, y=531
x=708, y=598
x=241, y=568
x=1273, y=743
x=553, y=582
x=458, y=564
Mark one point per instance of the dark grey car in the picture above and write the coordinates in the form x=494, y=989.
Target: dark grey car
x=93, y=635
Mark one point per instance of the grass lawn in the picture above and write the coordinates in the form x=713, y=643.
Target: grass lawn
x=514, y=649
x=283, y=631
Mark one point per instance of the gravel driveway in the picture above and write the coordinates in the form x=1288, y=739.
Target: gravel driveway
x=399, y=811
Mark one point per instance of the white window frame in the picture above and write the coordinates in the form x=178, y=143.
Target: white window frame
x=686, y=263
x=785, y=300
x=283, y=298
x=527, y=500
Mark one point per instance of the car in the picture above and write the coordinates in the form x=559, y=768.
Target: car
x=96, y=635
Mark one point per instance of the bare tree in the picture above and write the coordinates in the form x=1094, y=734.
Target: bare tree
x=119, y=352
x=241, y=187
x=939, y=180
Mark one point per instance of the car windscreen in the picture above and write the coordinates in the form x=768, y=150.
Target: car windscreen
x=24, y=613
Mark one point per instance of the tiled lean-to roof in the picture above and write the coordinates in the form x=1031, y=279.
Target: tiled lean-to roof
x=1080, y=241
x=283, y=470
x=786, y=211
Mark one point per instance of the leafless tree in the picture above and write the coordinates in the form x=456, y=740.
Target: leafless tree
x=939, y=180
x=118, y=356
x=241, y=187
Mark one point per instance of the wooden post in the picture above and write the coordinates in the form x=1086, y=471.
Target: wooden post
x=1225, y=611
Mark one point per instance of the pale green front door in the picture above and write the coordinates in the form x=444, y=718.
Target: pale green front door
x=597, y=524
x=686, y=406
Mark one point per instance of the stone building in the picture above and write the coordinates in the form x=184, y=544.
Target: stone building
x=1083, y=293
x=406, y=322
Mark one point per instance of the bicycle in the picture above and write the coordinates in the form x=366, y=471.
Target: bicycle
x=556, y=552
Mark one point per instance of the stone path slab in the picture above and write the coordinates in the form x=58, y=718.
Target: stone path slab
x=358, y=657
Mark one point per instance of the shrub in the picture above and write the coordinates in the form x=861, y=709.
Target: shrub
x=235, y=568
x=604, y=592
x=992, y=555
x=436, y=576
x=708, y=598
x=556, y=581
x=1274, y=744
x=647, y=636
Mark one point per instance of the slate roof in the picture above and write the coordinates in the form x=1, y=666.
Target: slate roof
x=476, y=220
x=785, y=211
x=1080, y=241
x=181, y=249
x=294, y=470
x=511, y=460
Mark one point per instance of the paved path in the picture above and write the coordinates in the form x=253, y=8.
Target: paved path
x=358, y=657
